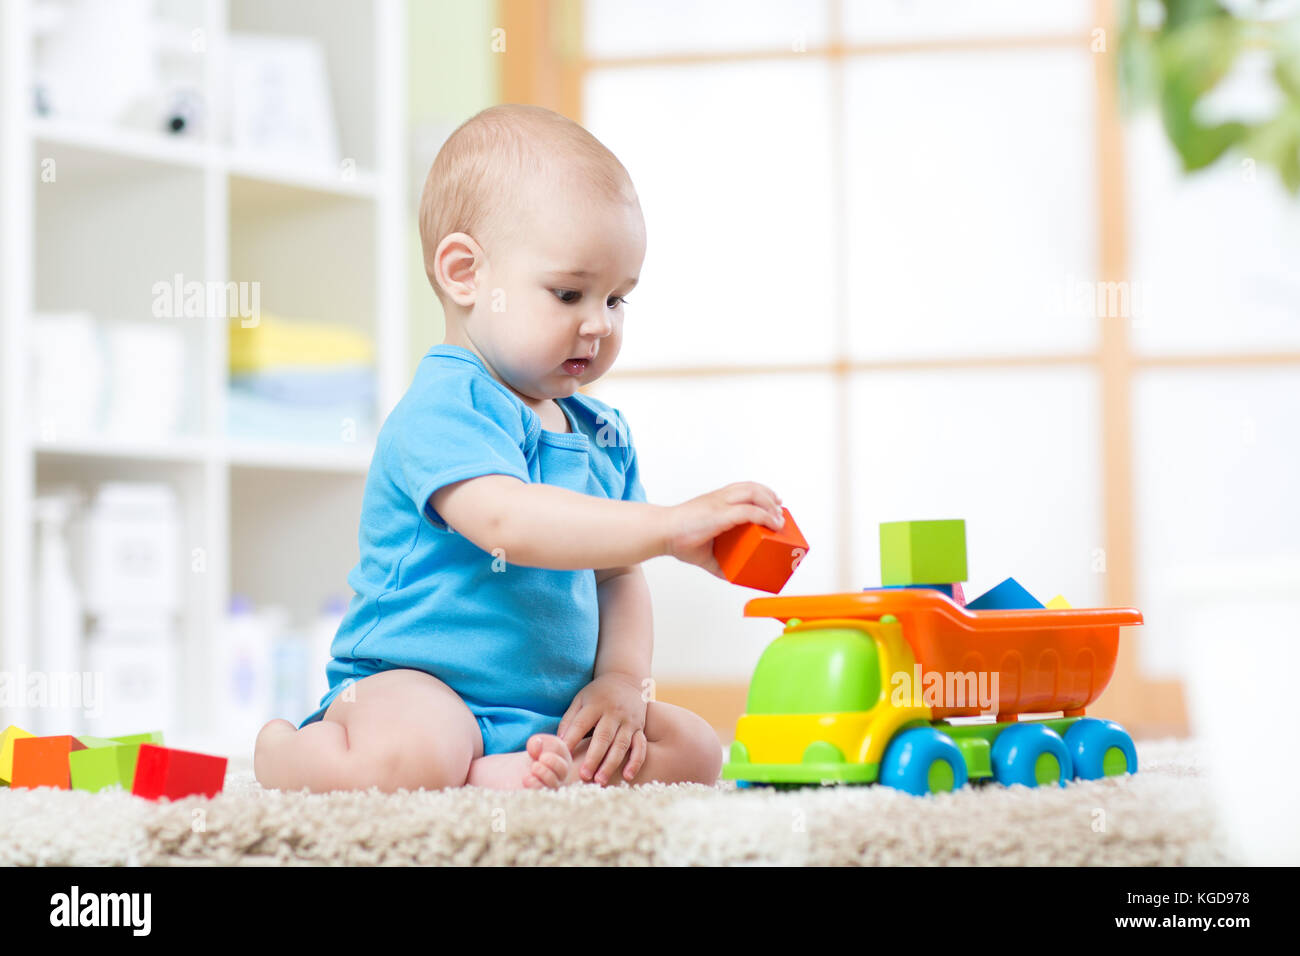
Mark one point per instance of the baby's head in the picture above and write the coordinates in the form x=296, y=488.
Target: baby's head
x=532, y=234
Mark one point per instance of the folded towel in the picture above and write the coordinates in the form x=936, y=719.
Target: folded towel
x=310, y=385
x=253, y=416
x=276, y=341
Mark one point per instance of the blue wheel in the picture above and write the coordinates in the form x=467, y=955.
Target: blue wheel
x=1031, y=754
x=921, y=761
x=1100, y=748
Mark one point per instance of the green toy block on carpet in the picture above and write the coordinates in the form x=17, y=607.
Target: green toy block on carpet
x=108, y=761
x=922, y=552
x=97, y=767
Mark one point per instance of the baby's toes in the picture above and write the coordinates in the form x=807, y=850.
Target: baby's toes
x=551, y=761
x=545, y=776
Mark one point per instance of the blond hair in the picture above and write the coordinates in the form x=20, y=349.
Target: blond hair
x=474, y=185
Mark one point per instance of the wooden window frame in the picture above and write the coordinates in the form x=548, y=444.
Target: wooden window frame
x=548, y=66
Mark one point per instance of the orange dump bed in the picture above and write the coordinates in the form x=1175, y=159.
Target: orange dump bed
x=1046, y=660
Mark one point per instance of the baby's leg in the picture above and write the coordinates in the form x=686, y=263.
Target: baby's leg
x=544, y=763
x=681, y=747
x=395, y=729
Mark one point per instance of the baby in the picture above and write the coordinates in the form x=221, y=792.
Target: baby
x=500, y=635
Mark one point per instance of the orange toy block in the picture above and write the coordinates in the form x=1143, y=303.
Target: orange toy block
x=43, y=761
x=755, y=556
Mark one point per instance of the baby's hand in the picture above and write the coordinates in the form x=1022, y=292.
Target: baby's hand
x=613, y=704
x=692, y=525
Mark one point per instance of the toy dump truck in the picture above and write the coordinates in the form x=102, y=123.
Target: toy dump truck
x=911, y=690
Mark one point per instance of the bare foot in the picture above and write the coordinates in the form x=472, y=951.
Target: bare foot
x=552, y=764
x=266, y=768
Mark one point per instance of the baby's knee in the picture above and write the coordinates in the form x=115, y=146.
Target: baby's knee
x=708, y=751
x=697, y=745
x=406, y=730
x=431, y=761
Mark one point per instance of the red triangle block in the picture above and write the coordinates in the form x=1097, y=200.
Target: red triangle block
x=43, y=761
x=170, y=773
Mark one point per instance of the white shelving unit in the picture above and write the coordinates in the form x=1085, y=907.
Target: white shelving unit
x=273, y=520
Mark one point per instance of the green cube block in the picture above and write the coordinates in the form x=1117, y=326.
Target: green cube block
x=108, y=761
x=95, y=768
x=153, y=737
x=130, y=750
x=922, y=552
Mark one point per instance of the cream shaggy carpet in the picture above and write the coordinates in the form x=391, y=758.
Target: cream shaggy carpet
x=1161, y=816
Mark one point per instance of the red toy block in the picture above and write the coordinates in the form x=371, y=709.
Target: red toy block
x=43, y=761
x=755, y=556
x=165, y=772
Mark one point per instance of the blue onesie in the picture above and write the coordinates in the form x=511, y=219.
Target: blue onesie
x=516, y=643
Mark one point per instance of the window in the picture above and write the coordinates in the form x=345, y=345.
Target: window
x=906, y=260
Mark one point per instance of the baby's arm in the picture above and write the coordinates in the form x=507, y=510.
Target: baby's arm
x=626, y=623
x=614, y=704
x=540, y=525
x=543, y=526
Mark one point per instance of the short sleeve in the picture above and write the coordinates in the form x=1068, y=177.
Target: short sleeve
x=459, y=427
x=632, y=490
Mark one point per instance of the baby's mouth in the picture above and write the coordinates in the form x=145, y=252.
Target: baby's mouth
x=576, y=366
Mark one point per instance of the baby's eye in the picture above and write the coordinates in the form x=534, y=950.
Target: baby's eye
x=561, y=293
x=616, y=300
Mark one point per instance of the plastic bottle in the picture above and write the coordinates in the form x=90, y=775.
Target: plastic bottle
x=246, y=670
x=320, y=640
x=289, y=657
x=58, y=614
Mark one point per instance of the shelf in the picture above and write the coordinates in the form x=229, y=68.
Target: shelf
x=106, y=220
x=175, y=449
x=249, y=453
x=111, y=151
x=238, y=452
x=264, y=176
x=114, y=142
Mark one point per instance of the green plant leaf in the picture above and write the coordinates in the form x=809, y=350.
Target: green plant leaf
x=1276, y=143
x=1286, y=71
x=1191, y=52
x=1180, y=13
x=1193, y=58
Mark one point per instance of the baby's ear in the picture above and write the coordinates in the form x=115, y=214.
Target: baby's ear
x=455, y=268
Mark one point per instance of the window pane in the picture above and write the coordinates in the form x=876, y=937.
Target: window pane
x=623, y=28
x=971, y=202
x=732, y=165
x=694, y=436
x=1218, y=465
x=874, y=20
x=1013, y=453
x=1215, y=252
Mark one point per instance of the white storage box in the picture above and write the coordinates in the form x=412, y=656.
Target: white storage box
x=135, y=669
x=131, y=549
x=67, y=376
x=146, y=379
